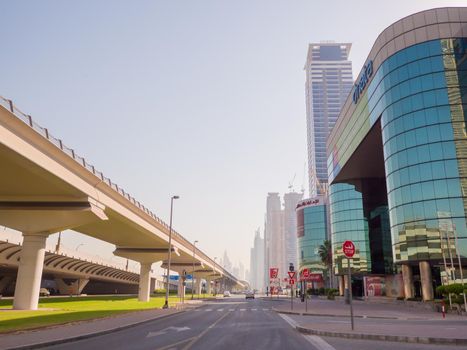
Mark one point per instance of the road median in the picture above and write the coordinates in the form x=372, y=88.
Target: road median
x=384, y=337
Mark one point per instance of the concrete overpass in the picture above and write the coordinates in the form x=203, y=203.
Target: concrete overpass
x=47, y=187
x=71, y=274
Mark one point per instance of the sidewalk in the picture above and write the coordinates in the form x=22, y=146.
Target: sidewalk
x=362, y=309
x=376, y=321
x=84, y=329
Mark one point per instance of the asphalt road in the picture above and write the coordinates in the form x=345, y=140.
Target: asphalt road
x=233, y=323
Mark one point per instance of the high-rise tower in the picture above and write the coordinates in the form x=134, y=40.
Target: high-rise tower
x=328, y=83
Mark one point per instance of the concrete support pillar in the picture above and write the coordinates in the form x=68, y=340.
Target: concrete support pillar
x=4, y=282
x=74, y=288
x=180, y=288
x=208, y=287
x=341, y=285
x=144, y=281
x=28, y=282
x=407, y=276
x=198, y=285
x=426, y=279
x=80, y=283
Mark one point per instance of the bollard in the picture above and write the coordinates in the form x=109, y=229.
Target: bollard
x=443, y=309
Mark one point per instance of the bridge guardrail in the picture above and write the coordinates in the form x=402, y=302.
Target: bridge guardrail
x=27, y=119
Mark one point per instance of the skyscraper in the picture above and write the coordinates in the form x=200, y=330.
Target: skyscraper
x=257, y=267
x=328, y=83
x=274, y=239
x=291, y=200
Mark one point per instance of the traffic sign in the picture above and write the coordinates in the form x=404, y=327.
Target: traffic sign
x=291, y=274
x=273, y=272
x=305, y=273
x=348, y=248
x=291, y=281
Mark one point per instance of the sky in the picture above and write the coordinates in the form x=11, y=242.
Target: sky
x=202, y=99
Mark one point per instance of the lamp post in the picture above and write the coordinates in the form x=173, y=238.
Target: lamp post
x=166, y=305
x=193, y=272
x=59, y=241
x=215, y=281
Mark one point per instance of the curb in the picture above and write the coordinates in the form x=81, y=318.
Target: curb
x=90, y=335
x=393, y=338
x=330, y=315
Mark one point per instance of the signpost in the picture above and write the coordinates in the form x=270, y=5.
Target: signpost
x=291, y=274
x=348, y=248
x=273, y=275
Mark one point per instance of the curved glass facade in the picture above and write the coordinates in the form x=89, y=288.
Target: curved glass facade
x=420, y=95
x=424, y=137
x=311, y=233
x=348, y=223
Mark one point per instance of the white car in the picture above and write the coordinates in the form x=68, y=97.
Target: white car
x=44, y=292
x=249, y=294
x=226, y=294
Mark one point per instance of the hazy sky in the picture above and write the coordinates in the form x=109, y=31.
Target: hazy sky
x=203, y=99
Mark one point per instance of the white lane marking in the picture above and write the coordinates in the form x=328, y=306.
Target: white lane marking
x=287, y=319
x=208, y=310
x=254, y=309
x=166, y=330
x=220, y=309
x=317, y=342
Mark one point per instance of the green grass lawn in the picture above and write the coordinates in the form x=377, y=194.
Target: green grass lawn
x=69, y=309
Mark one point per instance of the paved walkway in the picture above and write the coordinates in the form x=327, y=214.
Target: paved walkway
x=83, y=329
x=382, y=321
x=362, y=309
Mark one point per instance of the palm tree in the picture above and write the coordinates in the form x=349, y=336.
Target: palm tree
x=325, y=253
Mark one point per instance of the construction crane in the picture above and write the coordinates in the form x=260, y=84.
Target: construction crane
x=291, y=183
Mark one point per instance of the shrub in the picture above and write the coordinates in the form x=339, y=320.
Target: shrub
x=331, y=293
x=322, y=291
x=455, y=288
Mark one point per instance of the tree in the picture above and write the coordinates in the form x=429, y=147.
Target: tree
x=325, y=253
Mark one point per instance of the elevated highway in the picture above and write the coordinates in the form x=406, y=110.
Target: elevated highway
x=46, y=187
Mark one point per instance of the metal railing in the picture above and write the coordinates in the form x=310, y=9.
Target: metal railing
x=44, y=132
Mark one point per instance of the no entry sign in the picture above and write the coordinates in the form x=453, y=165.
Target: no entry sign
x=273, y=272
x=305, y=273
x=348, y=248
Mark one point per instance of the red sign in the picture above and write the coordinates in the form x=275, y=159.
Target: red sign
x=291, y=282
x=273, y=272
x=291, y=274
x=348, y=248
x=315, y=277
x=305, y=273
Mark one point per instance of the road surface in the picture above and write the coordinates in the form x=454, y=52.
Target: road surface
x=230, y=323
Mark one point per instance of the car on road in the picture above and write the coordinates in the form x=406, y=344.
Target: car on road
x=249, y=294
x=226, y=294
x=44, y=292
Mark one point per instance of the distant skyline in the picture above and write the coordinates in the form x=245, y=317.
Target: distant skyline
x=202, y=99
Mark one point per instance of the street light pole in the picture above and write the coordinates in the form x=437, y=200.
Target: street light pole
x=166, y=305
x=215, y=281
x=193, y=272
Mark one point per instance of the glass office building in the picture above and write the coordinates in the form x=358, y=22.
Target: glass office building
x=312, y=228
x=400, y=141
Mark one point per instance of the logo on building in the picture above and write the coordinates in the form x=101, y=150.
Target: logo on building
x=367, y=72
